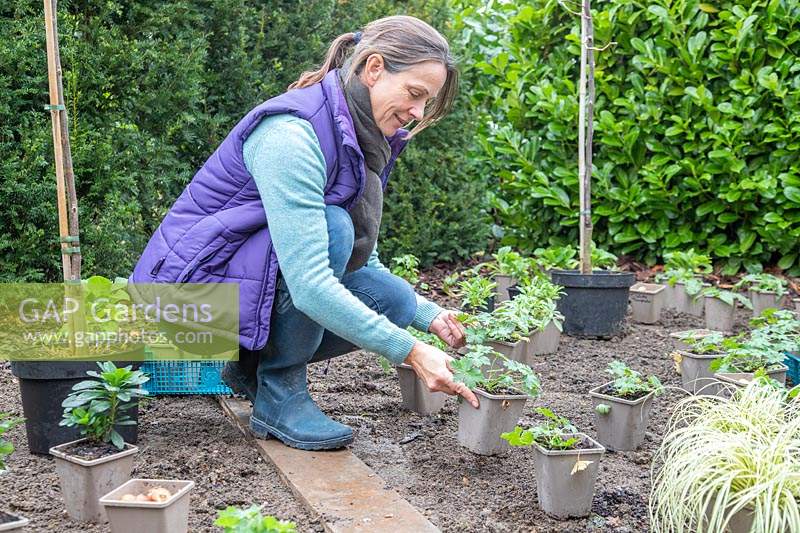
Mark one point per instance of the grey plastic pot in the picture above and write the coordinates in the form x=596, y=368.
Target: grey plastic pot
x=513, y=350
x=621, y=427
x=647, y=301
x=696, y=376
x=762, y=300
x=479, y=429
x=742, y=379
x=416, y=396
x=16, y=525
x=84, y=482
x=504, y=281
x=562, y=493
x=171, y=516
x=543, y=342
x=719, y=315
x=669, y=296
x=686, y=303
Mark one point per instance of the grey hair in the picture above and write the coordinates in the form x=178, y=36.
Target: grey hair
x=402, y=42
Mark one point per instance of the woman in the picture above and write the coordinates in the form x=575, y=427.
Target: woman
x=289, y=207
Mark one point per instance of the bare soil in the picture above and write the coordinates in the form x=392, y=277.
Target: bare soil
x=190, y=438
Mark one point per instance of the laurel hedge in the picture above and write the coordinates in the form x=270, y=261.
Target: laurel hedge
x=697, y=125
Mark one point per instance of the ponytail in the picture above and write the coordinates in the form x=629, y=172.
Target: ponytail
x=337, y=52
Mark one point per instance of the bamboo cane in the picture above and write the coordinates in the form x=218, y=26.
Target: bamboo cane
x=585, y=132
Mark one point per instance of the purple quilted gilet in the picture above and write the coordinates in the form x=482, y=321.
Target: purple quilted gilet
x=216, y=231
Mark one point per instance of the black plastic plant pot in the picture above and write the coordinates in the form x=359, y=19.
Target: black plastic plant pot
x=513, y=292
x=594, y=305
x=43, y=385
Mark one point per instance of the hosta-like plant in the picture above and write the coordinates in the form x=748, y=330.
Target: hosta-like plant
x=97, y=405
x=763, y=283
x=630, y=383
x=722, y=456
x=483, y=368
x=552, y=434
x=729, y=297
x=689, y=261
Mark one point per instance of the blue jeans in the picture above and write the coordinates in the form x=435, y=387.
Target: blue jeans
x=293, y=332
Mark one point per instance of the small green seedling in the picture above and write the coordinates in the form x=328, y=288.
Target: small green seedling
x=553, y=434
x=251, y=520
x=7, y=423
x=628, y=382
x=407, y=267
x=475, y=291
x=96, y=406
x=478, y=369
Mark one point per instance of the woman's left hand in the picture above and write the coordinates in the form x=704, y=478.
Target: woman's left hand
x=447, y=327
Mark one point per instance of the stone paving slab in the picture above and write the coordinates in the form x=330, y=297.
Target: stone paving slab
x=335, y=486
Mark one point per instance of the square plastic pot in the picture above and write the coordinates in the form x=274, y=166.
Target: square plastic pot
x=622, y=427
x=171, y=516
x=416, y=396
x=669, y=296
x=479, y=429
x=513, y=350
x=719, y=315
x=17, y=524
x=696, y=376
x=503, y=281
x=543, y=342
x=84, y=482
x=763, y=300
x=686, y=303
x=562, y=493
x=647, y=301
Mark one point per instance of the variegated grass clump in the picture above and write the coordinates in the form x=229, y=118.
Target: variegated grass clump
x=720, y=456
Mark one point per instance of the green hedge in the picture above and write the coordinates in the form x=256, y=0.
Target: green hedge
x=697, y=125
x=152, y=87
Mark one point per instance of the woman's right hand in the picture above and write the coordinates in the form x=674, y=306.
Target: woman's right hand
x=432, y=366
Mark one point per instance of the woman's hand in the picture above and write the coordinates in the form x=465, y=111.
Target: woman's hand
x=447, y=327
x=432, y=366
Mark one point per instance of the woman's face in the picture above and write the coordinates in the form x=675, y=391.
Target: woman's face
x=399, y=98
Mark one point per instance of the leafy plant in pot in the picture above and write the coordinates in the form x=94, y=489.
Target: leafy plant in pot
x=720, y=306
x=695, y=363
x=622, y=407
x=508, y=269
x=477, y=294
x=92, y=466
x=45, y=378
x=729, y=465
x=8, y=521
x=750, y=358
x=540, y=296
x=502, y=393
x=765, y=291
x=566, y=463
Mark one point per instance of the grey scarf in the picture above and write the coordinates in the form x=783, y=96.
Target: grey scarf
x=367, y=213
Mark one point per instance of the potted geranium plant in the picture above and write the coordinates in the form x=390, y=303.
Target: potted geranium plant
x=566, y=463
x=502, y=393
x=695, y=362
x=8, y=521
x=729, y=465
x=91, y=466
x=765, y=291
x=622, y=407
x=508, y=269
x=151, y=505
x=720, y=305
